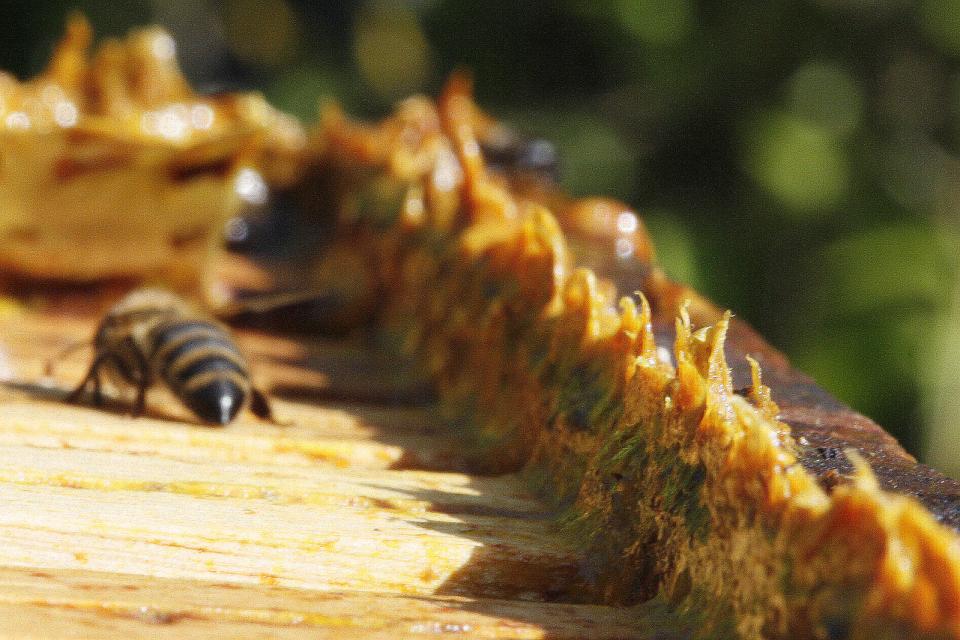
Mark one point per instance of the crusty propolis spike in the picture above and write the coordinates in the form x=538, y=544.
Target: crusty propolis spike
x=703, y=374
x=628, y=338
x=719, y=382
x=152, y=51
x=479, y=194
x=889, y=544
x=351, y=140
x=636, y=332
x=545, y=261
x=646, y=344
x=582, y=306
x=68, y=64
x=642, y=367
x=760, y=393
x=691, y=391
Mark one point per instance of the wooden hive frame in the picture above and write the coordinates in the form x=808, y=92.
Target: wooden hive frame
x=677, y=485
x=590, y=467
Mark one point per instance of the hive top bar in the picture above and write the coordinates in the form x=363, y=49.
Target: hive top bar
x=825, y=429
x=597, y=231
x=692, y=463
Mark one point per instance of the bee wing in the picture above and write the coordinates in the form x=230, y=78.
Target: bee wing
x=71, y=348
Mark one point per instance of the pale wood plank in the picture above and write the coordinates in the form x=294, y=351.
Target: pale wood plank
x=305, y=546
x=70, y=604
x=157, y=527
x=318, y=435
x=410, y=493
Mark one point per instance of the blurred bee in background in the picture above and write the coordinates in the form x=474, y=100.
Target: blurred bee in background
x=506, y=150
x=153, y=335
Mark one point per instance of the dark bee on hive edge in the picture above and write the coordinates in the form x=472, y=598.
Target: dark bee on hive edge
x=153, y=335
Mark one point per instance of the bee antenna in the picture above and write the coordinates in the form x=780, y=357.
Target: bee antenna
x=264, y=303
x=63, y=353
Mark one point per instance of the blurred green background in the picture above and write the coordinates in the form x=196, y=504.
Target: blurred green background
x=797, y=161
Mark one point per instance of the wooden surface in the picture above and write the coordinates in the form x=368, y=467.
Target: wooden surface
x=356, y=520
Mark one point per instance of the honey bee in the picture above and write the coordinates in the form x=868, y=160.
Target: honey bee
x=153, y=335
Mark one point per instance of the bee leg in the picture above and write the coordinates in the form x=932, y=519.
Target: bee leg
x=97, y=392
x=93, y=375
x=140, y=403
x=143, y=384
x=260, y=406
x=74, y=396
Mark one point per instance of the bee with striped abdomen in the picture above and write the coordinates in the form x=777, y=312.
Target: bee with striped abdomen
x=153, y=335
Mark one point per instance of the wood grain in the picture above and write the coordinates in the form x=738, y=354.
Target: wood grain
x=63, y=603
x=354, y=520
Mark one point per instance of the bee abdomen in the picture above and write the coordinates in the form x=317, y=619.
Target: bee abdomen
x=202, y=366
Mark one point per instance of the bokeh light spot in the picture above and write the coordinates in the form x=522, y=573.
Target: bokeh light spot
x=627, y=222
x=251, y=187
x=237, y=230
x=827, y=95
x=888, y=267
x=799, y=162
x=940, y=20
x=262, y=32
x=391, y=50
x=17, y=120
x=164, y=47
x=65, y=113
x=656, y=22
